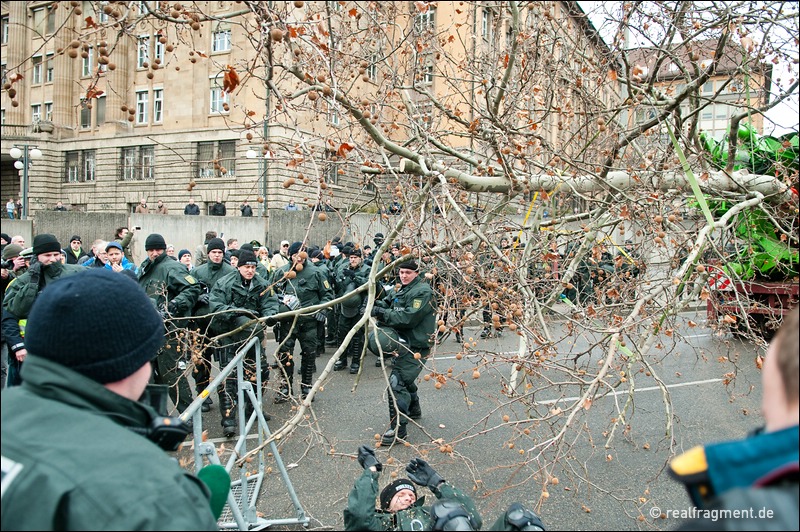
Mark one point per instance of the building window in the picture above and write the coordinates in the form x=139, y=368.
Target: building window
x=4, y=30
x=333, y=114
x=219, y=99
x=158, y=106
x=143, y=51
x=425, y=21
x=36, y=112
x=86, y=114
x=160, y=47
x=221, y=41
x=372, y=70
x=137, y=163
x=100, y=113
x=36, y=76
x=49, y=69
x=332, y=166
x=216, y=159
x=80, y=166
x=487, y=23
x=51, y=20
x=39, y=21
x=141, y=107
x=48, y=111
x=86, y=63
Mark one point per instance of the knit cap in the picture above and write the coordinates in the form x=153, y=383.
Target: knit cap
x=132, y=334
x=295, y=248
x=247, y=257
x=45, y=243
x=215, y=243
x=393, y=489
x=155, y=241
x=183, y=252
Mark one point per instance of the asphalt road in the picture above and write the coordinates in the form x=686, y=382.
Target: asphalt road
x=598, y=488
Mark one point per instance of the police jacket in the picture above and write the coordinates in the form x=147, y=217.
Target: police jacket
x=361, y=514
x=410, y=311
x=72, y=462
x=21, y=292
x=230, y=294
x=310, y=286
x=350, y=279
x=166, y=281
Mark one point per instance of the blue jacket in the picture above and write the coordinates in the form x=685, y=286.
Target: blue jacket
x=126, y=264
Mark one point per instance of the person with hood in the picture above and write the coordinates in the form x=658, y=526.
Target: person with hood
x=174, y=292
x=22, y=292
x=80, y=452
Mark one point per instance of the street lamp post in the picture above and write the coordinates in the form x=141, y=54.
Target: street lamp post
x=23, y=155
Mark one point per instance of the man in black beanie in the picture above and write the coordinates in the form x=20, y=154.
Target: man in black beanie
x=400, y=508
x=74, y=455
x=406, y=325
x=207, y=274
x=22, y=292
x=238, y=296
x=174, y=292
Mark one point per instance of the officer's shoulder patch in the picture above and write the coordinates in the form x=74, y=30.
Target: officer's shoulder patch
x=417, y=303
x=190, y=279
x=326, y=284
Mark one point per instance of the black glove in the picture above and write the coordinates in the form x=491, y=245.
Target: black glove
x=320, y=316
x=203, y=299
x=270, y=321
x=420, y=472
x=35, y=271
x=172, y=308
x=349, y=272
x=378, y=312
x=367, y=459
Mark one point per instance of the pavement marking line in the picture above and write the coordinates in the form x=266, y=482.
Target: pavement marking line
x=615, y=392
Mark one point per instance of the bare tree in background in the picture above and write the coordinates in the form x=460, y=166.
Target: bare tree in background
x=520, y=122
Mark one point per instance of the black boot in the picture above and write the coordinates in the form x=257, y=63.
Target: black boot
x=283, y=394
x=356, y=349
x=340, y=364
x=307, y=365
x=414, y=410
x=227, y=409
x=394, y=433
x=459, y=337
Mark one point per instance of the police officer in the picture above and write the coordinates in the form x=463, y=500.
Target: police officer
x=300, y=285
x=240, y=290
x=407, y=322
x=23, y=290
x=355, y=275
x=174, y=292
x=400, y=509
x=207, y=274
x=318, y=258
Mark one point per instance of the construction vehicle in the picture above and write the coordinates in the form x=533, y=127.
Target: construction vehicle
x=754, y=281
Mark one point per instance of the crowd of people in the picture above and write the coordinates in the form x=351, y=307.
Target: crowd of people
x=232, y=293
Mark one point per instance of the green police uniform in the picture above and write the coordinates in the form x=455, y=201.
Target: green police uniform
x=100, y=474
x=230, y=295
x=362, y=515
x=207, y=274
x=351, y=311
x=310, y=287
x=172, y=288
x=406, y=327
